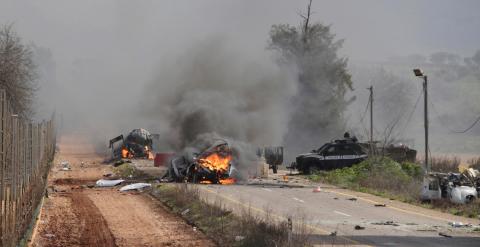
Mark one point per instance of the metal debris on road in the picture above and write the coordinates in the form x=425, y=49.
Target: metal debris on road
x=444, y=235
x=317, y=189
x=357, y=227
x=108, y=183
x=459, y=224
x=135, y=186
x=239, y=238
x=386, y=223
x=65, y=166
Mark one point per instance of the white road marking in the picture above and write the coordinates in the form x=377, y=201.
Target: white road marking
x=344, y=214
x=299, y=200
x=269, y=190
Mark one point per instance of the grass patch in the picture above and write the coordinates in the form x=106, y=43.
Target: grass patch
x=127, y=170
x=445, y=164
x=474, y=163
x=384, y=177
x=221, y=225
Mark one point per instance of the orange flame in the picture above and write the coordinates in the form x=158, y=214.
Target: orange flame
x=149, y=153
x=125, y=153
x=216, y=162
x=227, y=181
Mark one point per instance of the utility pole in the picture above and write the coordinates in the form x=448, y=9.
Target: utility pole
x=371, y=114
x=425, y=97
x=419, y=73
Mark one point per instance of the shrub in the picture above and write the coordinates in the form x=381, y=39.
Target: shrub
x=379, y=175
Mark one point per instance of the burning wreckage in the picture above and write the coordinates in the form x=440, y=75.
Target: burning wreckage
x=211, y=165
x=137, y=144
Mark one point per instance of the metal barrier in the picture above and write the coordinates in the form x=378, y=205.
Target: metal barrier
x=26, y=153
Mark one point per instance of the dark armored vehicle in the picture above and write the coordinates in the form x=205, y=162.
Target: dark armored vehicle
x=333, y=155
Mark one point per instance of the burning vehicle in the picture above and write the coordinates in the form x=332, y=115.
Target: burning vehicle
x=212, y=165
x=137, y=144
x=460, y=188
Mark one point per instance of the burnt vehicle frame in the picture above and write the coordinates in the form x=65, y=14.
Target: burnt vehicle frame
x=188, y=167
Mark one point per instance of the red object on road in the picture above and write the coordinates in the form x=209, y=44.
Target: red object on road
x=161, y=159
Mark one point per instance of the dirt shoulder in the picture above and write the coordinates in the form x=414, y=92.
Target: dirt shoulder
x=76, y=215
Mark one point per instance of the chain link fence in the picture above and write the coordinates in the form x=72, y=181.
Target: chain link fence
x=26, y=154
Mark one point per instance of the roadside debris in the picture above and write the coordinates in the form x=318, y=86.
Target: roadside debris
x=185, y=212
x=65, y=166
x=333, y=234
x=357, y=227
x=380, y=205
x=386, y=223
x=444, y=235
x=135, y=186
x=239, y=238
x=459, y=224
x=108, y=183
x=317, y=189
x=352, y=199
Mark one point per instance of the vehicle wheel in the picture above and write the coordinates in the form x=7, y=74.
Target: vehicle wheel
x=274, y=168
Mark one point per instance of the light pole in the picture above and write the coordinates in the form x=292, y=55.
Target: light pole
x=419, y=73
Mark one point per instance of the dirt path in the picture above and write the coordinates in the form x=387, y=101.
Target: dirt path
x=75, y=215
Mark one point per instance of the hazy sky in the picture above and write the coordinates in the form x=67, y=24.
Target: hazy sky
x=106, y=52
x=372, y=29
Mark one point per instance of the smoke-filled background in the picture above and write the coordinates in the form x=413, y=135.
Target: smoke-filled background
x=185, y=68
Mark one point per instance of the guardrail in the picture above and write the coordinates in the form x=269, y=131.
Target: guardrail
x=26, y=153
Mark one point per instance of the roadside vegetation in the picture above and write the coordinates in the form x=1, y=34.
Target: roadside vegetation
x=384, y=177
x=224, y=227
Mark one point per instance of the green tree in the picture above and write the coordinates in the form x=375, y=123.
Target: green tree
x=17, y=71
x=323, y=81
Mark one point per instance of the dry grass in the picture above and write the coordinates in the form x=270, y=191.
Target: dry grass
x=226, y=228
x=474, y=163
x=445, y=164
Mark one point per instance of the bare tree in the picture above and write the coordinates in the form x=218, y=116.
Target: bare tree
x=17, y=71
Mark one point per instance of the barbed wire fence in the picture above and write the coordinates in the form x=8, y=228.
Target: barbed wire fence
x=26, y=154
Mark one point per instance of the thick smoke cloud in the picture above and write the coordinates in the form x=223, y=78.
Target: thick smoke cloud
x=213, y=89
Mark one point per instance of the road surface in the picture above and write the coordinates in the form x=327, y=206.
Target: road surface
x=76, y=215
x=340, y=210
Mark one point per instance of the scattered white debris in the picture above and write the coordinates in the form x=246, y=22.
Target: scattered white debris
x=109, y=183
x=459, y=224
x=239, y=238
x=135, y=186
x=65, y=166
x=185, y=211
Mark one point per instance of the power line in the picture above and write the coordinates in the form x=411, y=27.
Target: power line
x=411, y=114
x=447, y=127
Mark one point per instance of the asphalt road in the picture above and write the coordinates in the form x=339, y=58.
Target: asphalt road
x=333, y=210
